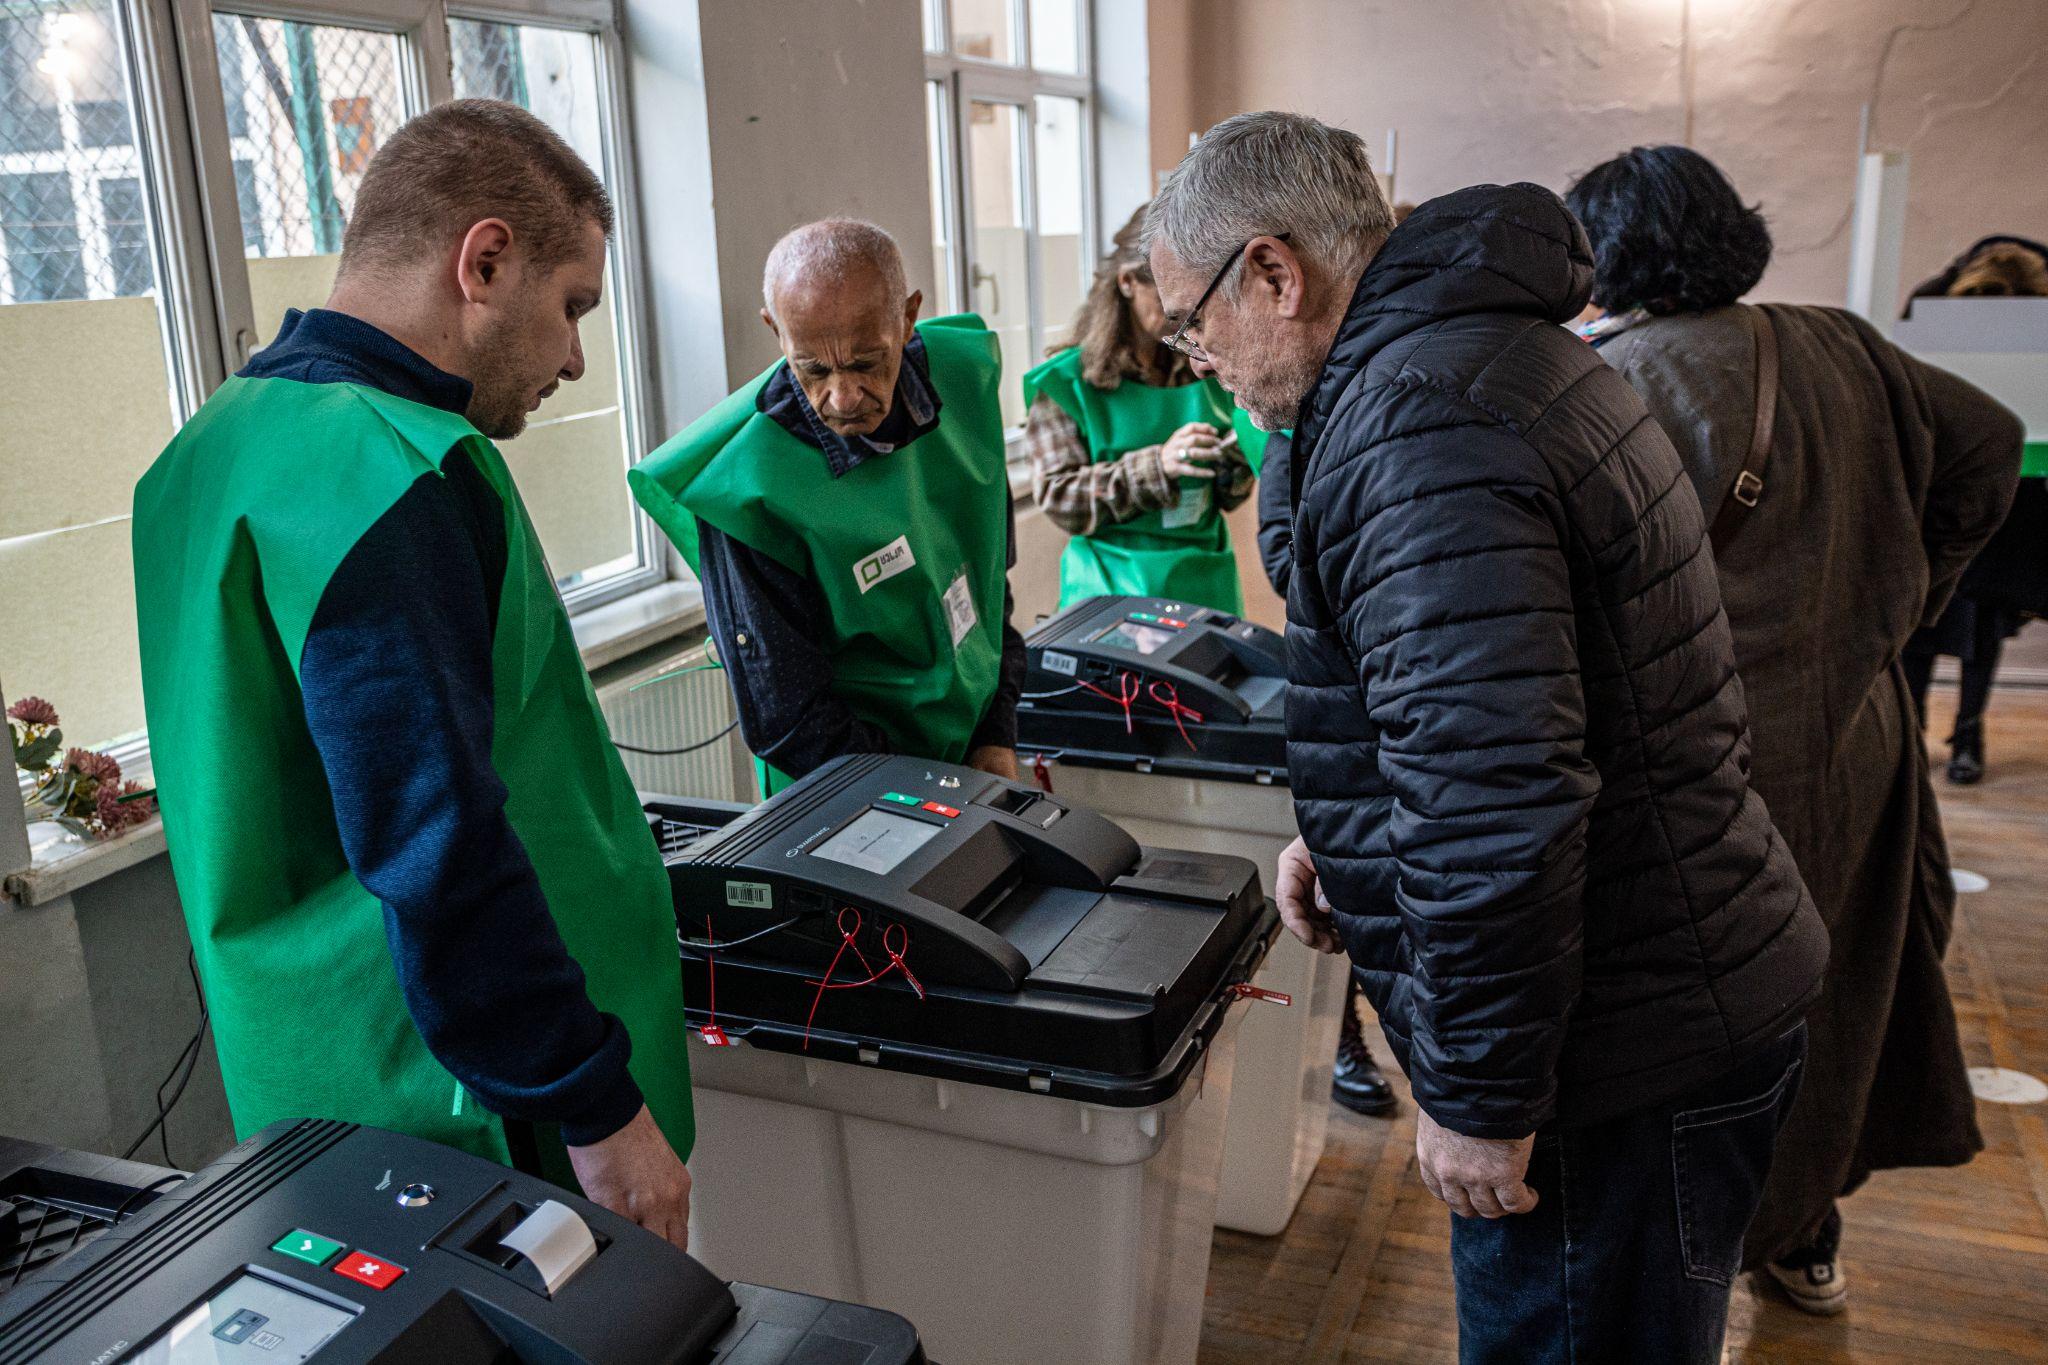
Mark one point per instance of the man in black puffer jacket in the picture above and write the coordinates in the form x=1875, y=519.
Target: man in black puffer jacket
x=1516, y=738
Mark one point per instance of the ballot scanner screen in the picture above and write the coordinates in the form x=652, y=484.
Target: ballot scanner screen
x=878, y=841
x=1132, y=635
x=251, y=1319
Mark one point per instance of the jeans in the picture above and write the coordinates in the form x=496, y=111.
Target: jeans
x=1632, y=1248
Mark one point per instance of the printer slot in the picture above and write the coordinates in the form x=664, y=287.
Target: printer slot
x=478, y=1236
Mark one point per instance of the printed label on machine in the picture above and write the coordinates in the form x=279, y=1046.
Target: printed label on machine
x=1056, y=662
x=750, y=895
x=960, y=608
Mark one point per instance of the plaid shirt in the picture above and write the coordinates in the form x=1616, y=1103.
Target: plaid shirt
x=1079, y=494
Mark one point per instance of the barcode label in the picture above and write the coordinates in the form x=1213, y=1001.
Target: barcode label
x=1059, y=663
x=750, y=895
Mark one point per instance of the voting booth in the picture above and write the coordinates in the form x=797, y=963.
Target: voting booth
x=1167, y=718
x=966, y=1050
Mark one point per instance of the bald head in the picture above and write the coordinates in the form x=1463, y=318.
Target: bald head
x=831, y=256
x=833, y=293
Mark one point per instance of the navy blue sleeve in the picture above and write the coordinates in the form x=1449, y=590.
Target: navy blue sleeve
x=769, y=622
x=396, y=676
x=998, y=725
x=1276, y=511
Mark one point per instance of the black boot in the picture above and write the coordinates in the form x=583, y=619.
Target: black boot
x=1358, y=1085
x=1966, y=752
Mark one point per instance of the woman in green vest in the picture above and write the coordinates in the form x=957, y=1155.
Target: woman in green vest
x=1131, y=454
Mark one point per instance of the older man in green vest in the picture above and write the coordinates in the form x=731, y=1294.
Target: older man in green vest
x=420, y=888
x=849, y=514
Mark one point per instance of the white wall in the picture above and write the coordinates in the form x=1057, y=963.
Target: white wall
x=816, y=108
x=1771, y=89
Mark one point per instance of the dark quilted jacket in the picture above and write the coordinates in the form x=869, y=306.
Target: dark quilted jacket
x=1516, y=738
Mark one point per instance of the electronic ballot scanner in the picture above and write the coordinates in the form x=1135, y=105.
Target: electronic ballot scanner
x=930, y=918
x=1156, y=685
x=330, y=1242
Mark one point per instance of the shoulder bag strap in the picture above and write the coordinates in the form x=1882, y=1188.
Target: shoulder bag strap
x=1749, y=484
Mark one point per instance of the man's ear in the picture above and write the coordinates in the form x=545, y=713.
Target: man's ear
x=769, y=318
x=912, y=306
x=1274, y=269
x=482, y=258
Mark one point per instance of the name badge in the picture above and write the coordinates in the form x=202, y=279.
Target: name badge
x=884, y=564
x=960, y=609
x=1193, y=505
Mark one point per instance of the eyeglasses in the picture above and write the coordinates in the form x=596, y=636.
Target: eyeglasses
x=1179, y=341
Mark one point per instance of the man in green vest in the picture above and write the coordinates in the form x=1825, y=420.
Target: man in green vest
x=421, y=891
x=849, y=514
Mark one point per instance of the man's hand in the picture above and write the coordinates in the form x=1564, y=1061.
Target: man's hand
x=1299, y=894
x=1474, y=1176
x=636, y=1175
x=994, y=758
x=1189, y=452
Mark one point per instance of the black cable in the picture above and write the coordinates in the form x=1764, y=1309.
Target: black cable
x=686, y=749
x=705, y=945
x=187, y=1063
x=167, y=1182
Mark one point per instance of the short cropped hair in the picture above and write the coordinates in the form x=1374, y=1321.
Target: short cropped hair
x=460, y=163
x=1261, y=174
x=1669, y=233
x=830, y=251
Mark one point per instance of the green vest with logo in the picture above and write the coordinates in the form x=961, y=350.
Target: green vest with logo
x=1180, y=552
x=239, y=525
x=909, y=548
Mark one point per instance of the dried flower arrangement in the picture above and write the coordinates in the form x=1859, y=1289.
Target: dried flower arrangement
x=79, y=789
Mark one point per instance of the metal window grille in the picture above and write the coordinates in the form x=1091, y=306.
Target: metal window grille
x=308, y=105
x=72, y=219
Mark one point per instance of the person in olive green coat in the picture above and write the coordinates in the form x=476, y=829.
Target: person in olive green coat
x=1883, y=477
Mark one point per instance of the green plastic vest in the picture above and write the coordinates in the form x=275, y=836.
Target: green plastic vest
x=238, y=527
x=1180, y=552
x=910, y=548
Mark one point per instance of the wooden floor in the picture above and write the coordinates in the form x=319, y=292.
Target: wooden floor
x=1943, y=1265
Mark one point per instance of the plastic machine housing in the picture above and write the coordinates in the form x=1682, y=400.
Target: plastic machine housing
x=1228, y=674
x=207, y=1259
x=1049, y=951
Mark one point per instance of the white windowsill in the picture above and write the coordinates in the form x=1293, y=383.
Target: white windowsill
x=82, y=865
x=604, y=635
x=609, y=633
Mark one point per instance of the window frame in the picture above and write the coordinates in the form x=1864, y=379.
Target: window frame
x=965, y=80
x=426, y=78
x=184, y=163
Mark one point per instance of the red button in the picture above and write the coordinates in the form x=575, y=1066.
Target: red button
x=366, y=1269
x=1175, y=622
x=936, y=809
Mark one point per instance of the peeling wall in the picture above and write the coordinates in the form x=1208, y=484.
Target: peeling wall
x=1771, y=89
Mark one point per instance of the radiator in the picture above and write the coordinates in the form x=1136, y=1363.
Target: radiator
x=665, y=707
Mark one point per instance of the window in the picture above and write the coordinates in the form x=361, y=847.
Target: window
x=148, y=254
x=1010, y=110
x=571, y=462
x=79, y=308
x=314, y=102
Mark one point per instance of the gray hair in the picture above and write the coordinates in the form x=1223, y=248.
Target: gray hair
x=1261, y=174
x=833, y=251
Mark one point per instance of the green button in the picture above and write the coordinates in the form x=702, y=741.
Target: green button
x=900, y=799
x=302, y=1245
x=1143, y=616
